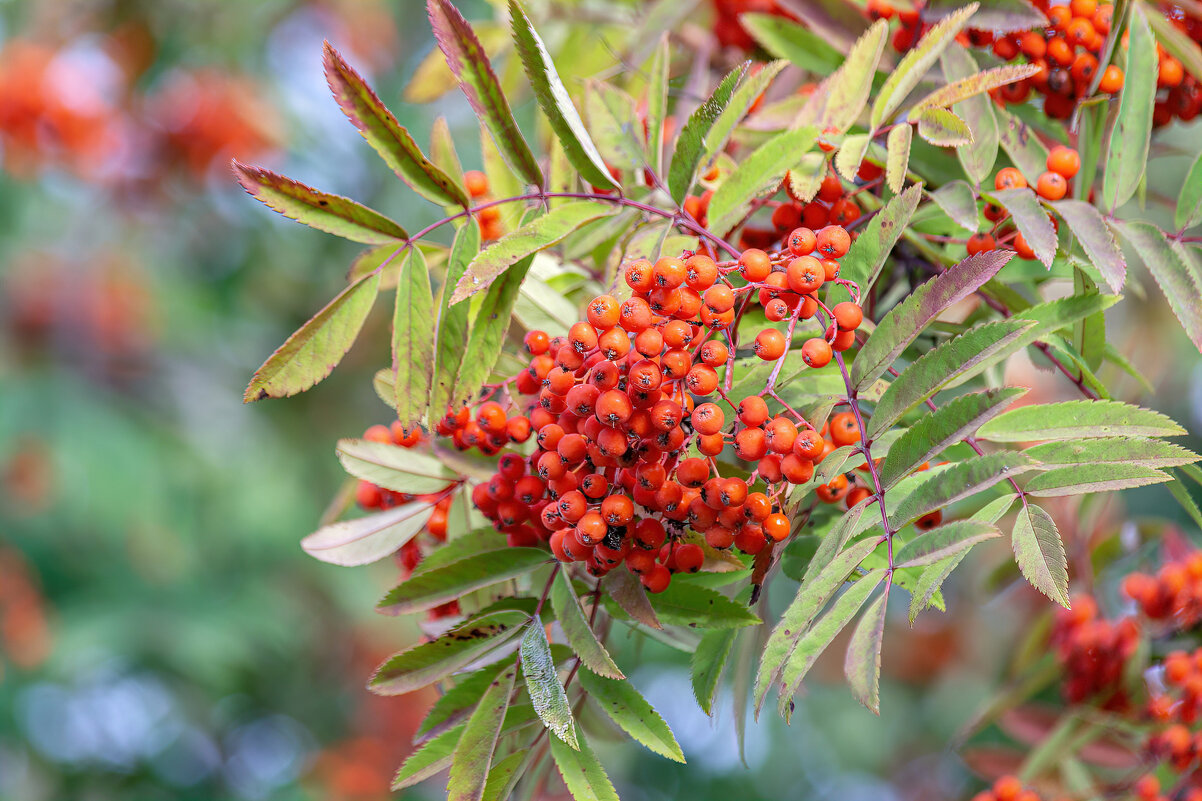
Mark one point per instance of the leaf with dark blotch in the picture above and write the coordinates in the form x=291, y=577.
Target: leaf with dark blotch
x=1078, y=420
x=432, y=588
x=758, y=174
x=454, y=704
x=626, y=707
x=915, y=64
x=959, y=481
x=706, y=666
x=627, y=592
x=367, y=539
x=473, y=754
x=685, y=604
x=795, y=621
x=871, y=248
x=947, y=365
x=468, y=61
x=577, y=629
x=943, y=128
x=553, y=97
x=393, y=467
x=998, y=16
x=581, y=771
x=453, y=322
x=381, y=130
x=862, y=664
x=537, y=234
x=1040, y=553
x=542, y=682
x=1113, y=450
x=952, y=422
x=1189, y=202
x=333, y=214
x=898, y=159
x=413, y=340
x=1031, y=219
x=432, y=661
x=1080, y=479
x=312, y=353
x=820, y=635
x=930, y=580
x=1021, y=143
x=1177, y=271
x=945, y=541
x=958, y=201
x=1127, y=149
x=686, y=158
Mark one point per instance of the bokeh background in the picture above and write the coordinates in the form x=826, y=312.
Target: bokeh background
x=162, y=635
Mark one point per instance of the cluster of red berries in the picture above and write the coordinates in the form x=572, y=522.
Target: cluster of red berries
x=1093, y=652
x=1173, y=596
x=1008, y=788
x=617, y=405
x=489, y=218
x=1063, y=163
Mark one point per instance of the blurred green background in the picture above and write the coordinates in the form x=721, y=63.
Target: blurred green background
x=162, y=635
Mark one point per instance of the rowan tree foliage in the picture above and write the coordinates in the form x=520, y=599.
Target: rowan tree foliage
x=702, y=327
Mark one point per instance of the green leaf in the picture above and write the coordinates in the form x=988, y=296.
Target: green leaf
x=469, y=62
x=1021, y=143
x=958, y=201
x=786, y=39
x=1031, y=219
x=797, y=618
x=454, y=704
x=1185, y=501
x=312, y=352
x=474, y=752
x=837, y=22
x=367, y=539
x=453, y=322
x=432, y=661
x=978, y=156
x=386, y=136
x=868, y=253
x=943, y=542
x=333, y=214
x=930, y=580
x=624, y=588
x=433, y=78
x=709, y=659
x=431, y=758
x=686, y=604
x=1127, y=149
x=1188, y=212
x=759, y=173
x=976, y=83
x=1078, y=419
x=657, y=102
x=851, y=155
x=998, y=16
x=947, y=365
x=537, y=234
x=1096, y=240
x=442, y=146
x=862, y=665
x=914, y=65
x=413, y=339
x=1177, y=271
x=553, y=97
x=951, y=423
x=943, y=128
x=577, y=629
x=740, y=103
x=959, y=481
x=1040, y=553
x=627, y=708
x=1088, y=478
x=806, y=178
x=848, y=88
x=898, y=159
x=1113, y=450
x=686, y=158
x=488, y=333
x=581, y=772
x=504, y=775
x=437, y=586
x=542, y=682
x=824, y=630
x=613, y=117
x=393, y=467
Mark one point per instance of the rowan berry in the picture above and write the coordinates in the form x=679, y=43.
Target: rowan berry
x=754, y=265
x=770, y=344
x=603, y=312
x=700, y=272
x=640, y=275
x=378, y=433
x=714, y=353
x=848, y=315
x=980, y=243
x=751, y=445
x=816, y=352
x=476, y=183
x=833, y=242
x=1051, y=186
x=801, y=242
x=776, y=526
x=657, y=579
x=708, y=418
x=805, y=274
x=719, y=298
x=669, y=273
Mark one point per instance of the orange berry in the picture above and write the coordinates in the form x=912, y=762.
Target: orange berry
x=754, y=265
x=1065, y=161
x=816, y=352
x=1009, y=178
x=833, y=242
x=476, y=183
x=1051, y=186
x=1112, y=80
x=770, y=344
